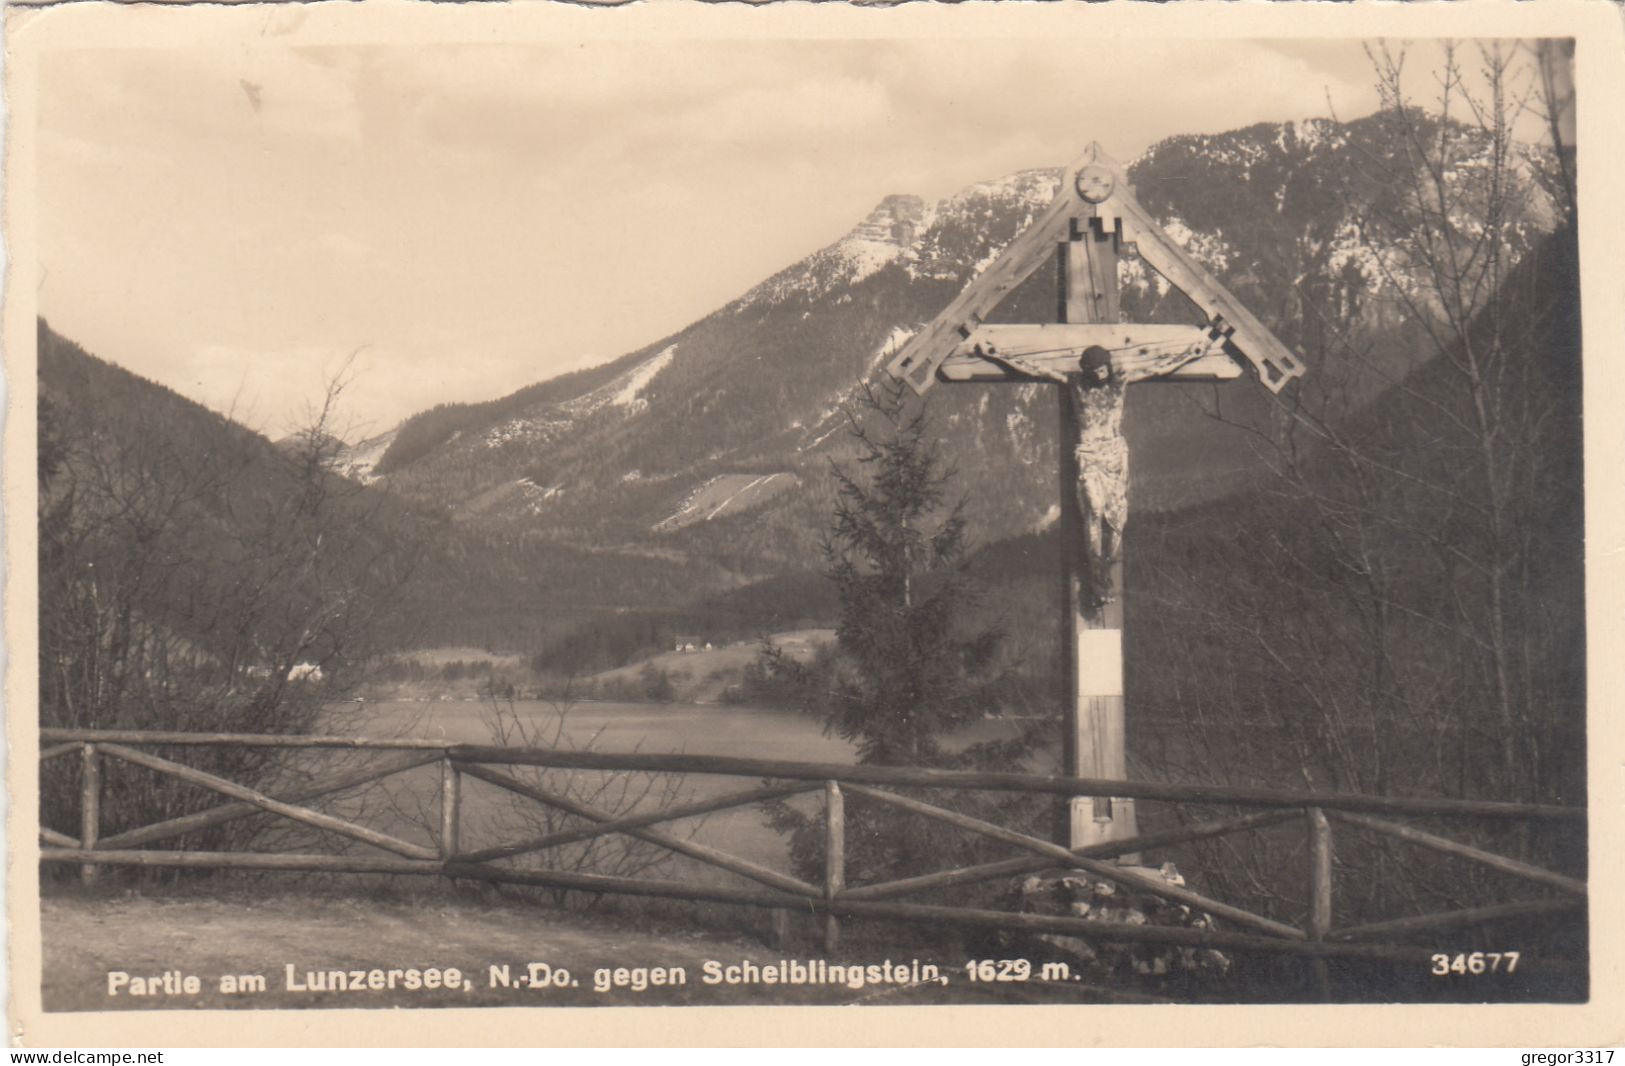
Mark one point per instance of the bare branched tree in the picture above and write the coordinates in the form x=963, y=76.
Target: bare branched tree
x=1400, y=610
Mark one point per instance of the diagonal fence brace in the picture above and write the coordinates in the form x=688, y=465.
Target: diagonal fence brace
x=1063, y=856
x=230, y=812
x=1466, y=851
x=305, y=815
x=711, y=856
x=1022, y=864
x=636, y=821
x=1466, y=916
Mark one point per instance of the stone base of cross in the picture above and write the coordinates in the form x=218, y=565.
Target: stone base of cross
x=1092, y=358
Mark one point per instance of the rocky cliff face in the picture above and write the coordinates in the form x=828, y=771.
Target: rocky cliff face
x=895, y=222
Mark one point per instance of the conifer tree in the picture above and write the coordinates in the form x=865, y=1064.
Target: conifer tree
x=908, y=670
x=906, y=674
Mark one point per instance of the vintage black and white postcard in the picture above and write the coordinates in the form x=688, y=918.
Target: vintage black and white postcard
x=571, y=515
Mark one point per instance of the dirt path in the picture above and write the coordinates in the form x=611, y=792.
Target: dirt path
x=88, y=938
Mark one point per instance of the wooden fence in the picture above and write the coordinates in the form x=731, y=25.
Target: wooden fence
x=1320, y=938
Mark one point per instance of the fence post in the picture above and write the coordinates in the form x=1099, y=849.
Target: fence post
x=834, y=860
x=451, y=802
x=90, y=806
x=1320, y=890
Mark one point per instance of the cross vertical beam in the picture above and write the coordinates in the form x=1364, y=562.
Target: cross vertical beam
x=1092, y=566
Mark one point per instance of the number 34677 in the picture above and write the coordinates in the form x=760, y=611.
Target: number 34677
x=1479, y=962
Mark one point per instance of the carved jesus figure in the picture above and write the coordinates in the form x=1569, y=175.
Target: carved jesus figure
x=1098, y=389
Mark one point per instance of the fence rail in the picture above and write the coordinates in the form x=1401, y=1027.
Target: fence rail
x=831, y=899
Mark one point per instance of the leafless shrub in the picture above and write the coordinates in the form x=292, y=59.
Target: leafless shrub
x=506, y=817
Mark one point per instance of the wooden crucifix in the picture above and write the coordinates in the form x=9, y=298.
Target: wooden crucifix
x=1093, y=357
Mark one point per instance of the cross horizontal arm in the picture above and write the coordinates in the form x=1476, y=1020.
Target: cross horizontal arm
x=1057, y=348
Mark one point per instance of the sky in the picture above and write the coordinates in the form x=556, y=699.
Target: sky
x=455, y=222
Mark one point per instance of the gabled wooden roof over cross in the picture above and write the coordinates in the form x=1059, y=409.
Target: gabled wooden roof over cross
x=1094, y=192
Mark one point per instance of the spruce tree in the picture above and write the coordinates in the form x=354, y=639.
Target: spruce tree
x=907, y=673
